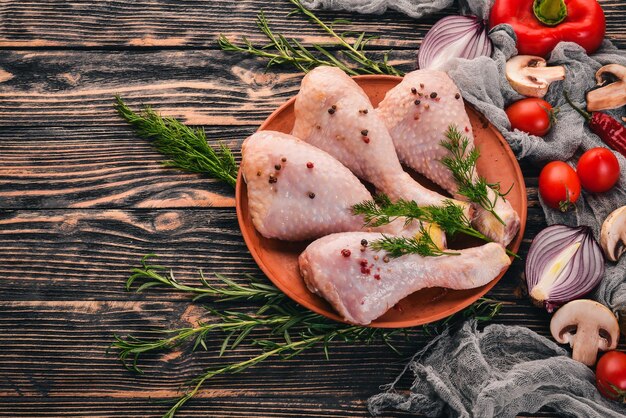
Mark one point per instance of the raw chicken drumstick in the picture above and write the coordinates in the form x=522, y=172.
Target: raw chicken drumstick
x=334, y=114
x=299, y=192
x=362, y=286
x=417, y=113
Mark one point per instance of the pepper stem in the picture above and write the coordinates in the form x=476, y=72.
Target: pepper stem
x=584, y=114
x=550, y=12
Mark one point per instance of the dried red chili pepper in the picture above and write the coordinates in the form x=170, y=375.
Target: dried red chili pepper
x=609, y=129
x=541, y=24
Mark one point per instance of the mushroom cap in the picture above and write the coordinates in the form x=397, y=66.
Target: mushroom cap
x=617, y=70
x=529, y=75
x=587, y=326
x=613, y=234
x=612, y=94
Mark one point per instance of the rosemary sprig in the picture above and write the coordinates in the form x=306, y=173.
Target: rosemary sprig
x=155, y=275
x=449, y=216
x=281, y=50
x=187, y=148
x=462, y=164
x=295, y=328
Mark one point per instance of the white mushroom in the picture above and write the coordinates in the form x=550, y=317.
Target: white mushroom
x=587, y=326
x=613, y=94
x=530, y=76
x=613, y=234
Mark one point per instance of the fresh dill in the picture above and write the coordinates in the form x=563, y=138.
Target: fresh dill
x=186, y=147
x=448, y=216
x=290, y=328
x=281, y=50
x=462, y=163
x=396, y=246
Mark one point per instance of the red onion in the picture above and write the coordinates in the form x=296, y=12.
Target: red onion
x=563, y=264
x=454, y=37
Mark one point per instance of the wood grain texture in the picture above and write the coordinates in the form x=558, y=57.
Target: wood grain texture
x=176, y=24
x=82, y=199
x=102, y=167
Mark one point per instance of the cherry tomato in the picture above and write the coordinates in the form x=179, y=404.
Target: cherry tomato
x=531, y=115
x=598, y=170
x=559, y=185
x=611, y=375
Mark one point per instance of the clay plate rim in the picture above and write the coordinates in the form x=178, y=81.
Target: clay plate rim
x=247, y=228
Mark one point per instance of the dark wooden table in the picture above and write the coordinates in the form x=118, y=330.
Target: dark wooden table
x=82, y=199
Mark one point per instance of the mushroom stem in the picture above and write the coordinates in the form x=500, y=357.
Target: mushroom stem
x=529, y=75
x=585, y=346
x=612, y=95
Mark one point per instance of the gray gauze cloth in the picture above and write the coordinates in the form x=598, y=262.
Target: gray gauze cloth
x=499, y=372
x=507, y=370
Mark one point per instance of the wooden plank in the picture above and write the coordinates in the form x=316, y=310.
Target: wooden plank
x=59, y=255
x=199, y=87
x=96, y=167
x=59, y=350
x=86, y=167
x=176, y=24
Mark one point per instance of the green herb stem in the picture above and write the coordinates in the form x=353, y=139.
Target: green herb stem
x=187, y=148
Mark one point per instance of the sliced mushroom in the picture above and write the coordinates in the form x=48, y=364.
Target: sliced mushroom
x=530, y=76
x=613, y=234
x=587, y=326
x=613, y=94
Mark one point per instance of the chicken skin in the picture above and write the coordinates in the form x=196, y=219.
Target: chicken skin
x=362, y=286
x=334, y=114
x=417, y=113
x=299, y=192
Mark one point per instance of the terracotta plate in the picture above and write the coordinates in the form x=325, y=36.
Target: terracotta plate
x=279, y=259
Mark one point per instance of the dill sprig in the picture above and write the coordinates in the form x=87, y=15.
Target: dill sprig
x=449, y=216
x=293, y=328
x=462, y=164
x=398, y=246
x=281, y=50
x=186, y=147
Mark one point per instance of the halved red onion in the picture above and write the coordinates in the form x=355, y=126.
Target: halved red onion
x=454, y=37
x=563, y=264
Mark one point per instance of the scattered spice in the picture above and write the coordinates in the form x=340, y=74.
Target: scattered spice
x=437, y=99
x=433, y=95
x=318, y=127
x=284, y=159
x=363, y=262
x=466, y=129
x=417, y=102
x=377, y=276
x=413, y=90
x=258, y=173
x=331, y=110
x=364, y=242
x=362, y=249
x=309, y=165
x=340, y=138
x=366, y=139
x=426, y=106
x=345, y=252
x=421, y=85
x=273, y=179
x=386, y=259
x=364, y=132
x=376, y=259
x=363, y=111
x=365, y=270
x=312, y=195
x=416, y=116
x=457, y=96
x=277, y=167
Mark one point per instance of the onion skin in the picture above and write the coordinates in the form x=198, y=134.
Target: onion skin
x=578, y=276
x=454, y=37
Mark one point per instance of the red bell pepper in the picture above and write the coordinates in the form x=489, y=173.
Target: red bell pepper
x=541, y=24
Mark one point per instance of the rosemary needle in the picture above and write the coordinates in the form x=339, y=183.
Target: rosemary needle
x=281, y=50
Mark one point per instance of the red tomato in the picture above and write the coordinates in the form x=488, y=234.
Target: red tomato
x=559, y=185
x=598, y=170
x=531, y=115
x=611, y=375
